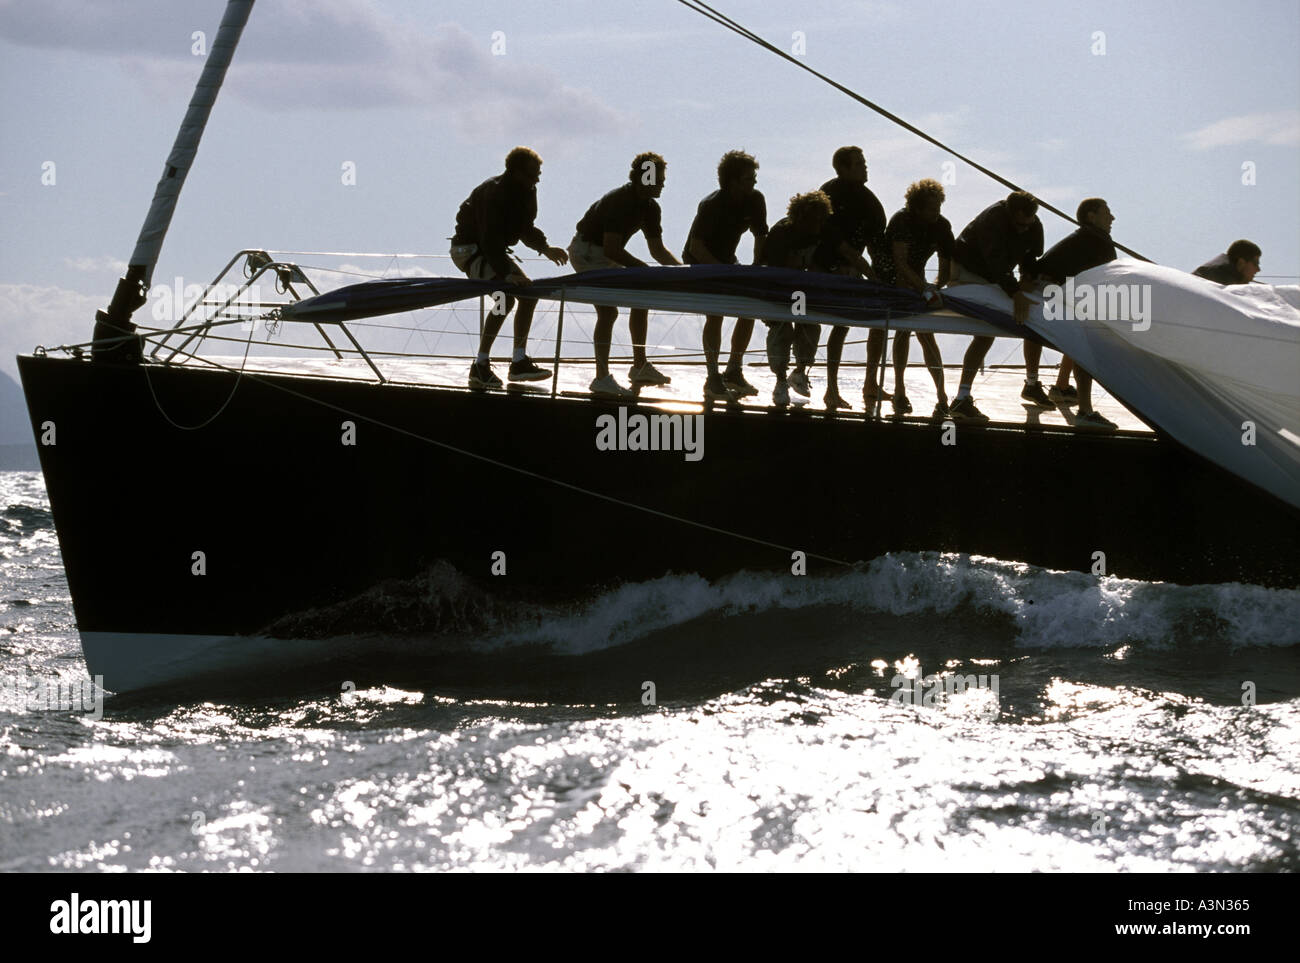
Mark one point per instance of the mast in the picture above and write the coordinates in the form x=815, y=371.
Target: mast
x=132, y=289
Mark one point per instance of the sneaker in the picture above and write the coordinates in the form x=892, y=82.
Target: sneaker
x=799, y=382
x=941, y=412
x=1035, y=395
x=1094, y=419
x=735, y=380
x=716, y=390
x=964, y=411
x=781, y=395
x=647, y=374
x=901, y=405
x=1063, y=396
x=527, y=371
x=834, y=401
x=481, y=376
x=607, y=387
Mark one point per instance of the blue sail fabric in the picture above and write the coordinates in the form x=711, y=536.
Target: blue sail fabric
x=733, y=290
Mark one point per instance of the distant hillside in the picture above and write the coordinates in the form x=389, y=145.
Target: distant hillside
x=17, y=451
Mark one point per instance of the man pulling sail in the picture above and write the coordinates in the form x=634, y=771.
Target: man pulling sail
x=1004, y=236
x=914, y=235
x=859, y=220
x=498, y=213
x=722, y=217
x=601, y=242
x=1238, y=265
x=795, y=242
x=1086, y=248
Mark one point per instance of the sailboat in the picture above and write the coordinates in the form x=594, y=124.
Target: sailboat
x=296, y=502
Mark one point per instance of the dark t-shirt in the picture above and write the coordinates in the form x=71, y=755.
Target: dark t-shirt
x=858, y=215
x=621, y=212
x=922, y=240
x=1220, y=271
x=785, y=248
x=719, y=224
x=499, y=213
x=991, y=247
x=1071, y=255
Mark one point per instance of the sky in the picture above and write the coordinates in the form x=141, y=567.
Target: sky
x=1184, y=115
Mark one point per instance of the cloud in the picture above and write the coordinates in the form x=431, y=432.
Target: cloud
x=323, y=55
x=102, y=263
x=381, y=269
x=33, y=314
x=1277, y=128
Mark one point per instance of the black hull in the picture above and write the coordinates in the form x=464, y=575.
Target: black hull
x=291, y=520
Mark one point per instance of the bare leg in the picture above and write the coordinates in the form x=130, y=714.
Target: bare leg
x=902, y=347
x=1063, y=375
x=605, y=318
x=834, y=351
x=875, y=351
x=974, y=357
x=638, y=323
x=492, y=326
x=933, y=363
x=1033, y=354
x=1085, y=390
x=740, y=336
x=523, y=321
x=712, y=342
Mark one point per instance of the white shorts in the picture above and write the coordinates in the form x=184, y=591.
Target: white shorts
x=585, y=256
x=467, y=258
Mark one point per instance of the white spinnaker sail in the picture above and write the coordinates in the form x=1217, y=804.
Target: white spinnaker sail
x=1217, y=368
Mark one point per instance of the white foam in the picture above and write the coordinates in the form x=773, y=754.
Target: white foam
x=1046, y=608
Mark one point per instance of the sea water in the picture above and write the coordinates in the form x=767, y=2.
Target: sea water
x=917, y=712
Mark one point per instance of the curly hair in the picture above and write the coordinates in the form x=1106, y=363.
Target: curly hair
x=920, y=191
x=804, y=204
x=735, y=163
x=523, y=158
x=639, y=162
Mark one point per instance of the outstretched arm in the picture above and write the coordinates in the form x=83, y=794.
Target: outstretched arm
x=700, y=251
x=535, y=239
x=860, y=264
x=614, y=250
x=661, y=253
x=945, y=271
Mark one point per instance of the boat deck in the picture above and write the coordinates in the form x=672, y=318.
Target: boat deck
x=996, y=390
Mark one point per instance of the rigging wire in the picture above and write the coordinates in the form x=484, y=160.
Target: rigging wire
x=702, y=8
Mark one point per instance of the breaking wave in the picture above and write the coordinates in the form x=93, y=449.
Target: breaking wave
x=1034, y=607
